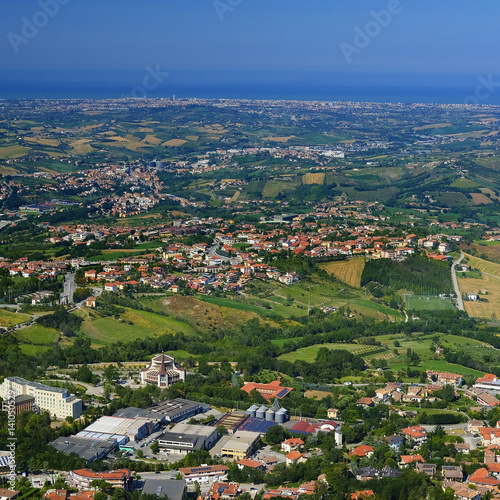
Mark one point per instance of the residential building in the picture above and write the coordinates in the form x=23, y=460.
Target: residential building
x=8, y=494
x=362, y=451
x=295, y=457
x=304, y=427
x=367, y=473
x=395, y=442
x=333, y=413
x=225, y=490
x=485, y=399
x=291, y=444
x=204, y=473
x=415, y=433
x=445, y=378
x=462, y=491
x=429, y=469
x=365, y=402
x=489, y=436
x=410, y=459
x=488, y=382
x=475, y=425
x=482, y=477
x=66, y=495
x=82, y=478
x=452, y=473
x=363, y=495
x=252, y=464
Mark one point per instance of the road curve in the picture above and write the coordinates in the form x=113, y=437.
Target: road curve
x=460, y=303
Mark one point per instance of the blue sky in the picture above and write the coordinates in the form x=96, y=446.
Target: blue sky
x=427, y=37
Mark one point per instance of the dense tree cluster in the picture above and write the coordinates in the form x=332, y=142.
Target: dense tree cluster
x=416, y=273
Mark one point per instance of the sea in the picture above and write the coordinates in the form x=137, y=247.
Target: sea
x=483, y=89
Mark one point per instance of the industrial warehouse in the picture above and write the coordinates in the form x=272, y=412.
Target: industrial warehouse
x=183, y=438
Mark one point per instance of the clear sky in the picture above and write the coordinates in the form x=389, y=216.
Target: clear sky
x=426, y=37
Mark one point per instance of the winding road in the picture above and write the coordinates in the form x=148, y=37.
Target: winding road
x=460, y=303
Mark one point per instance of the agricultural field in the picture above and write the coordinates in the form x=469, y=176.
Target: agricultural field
x=429, y=303
x=8, y=318
x=274, y=187
x=311, y=178
x=450, y=199
x=13, y=151
x=233, y=304
x=282, y=342
x=33, y=350
x=419, y=344
x=131, y=325
x=317, y=292
x=43, y=142
x=37, y=335
x=433, y=126
x=309, y=353
x=174, y=142
x=200, y=314
x=348, y=271
x=489, y=250
x=487, y=286
x=483, y=265
x=317, y=394
x=464, y=183
x=480, y=199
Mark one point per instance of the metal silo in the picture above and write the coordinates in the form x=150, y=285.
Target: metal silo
x=270, y=414
x=251, y=411
x=280, y=416
x=261, y=412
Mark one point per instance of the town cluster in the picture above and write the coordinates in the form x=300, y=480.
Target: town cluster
x=175, y=427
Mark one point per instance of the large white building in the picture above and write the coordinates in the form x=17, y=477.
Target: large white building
x=121, y=429
x=56, y=401
x=162, y=371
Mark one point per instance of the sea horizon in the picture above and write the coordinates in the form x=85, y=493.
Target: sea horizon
x=430, y=89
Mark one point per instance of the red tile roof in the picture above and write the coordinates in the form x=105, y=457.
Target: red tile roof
x=268, y=391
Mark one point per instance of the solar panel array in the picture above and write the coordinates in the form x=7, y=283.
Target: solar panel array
x=282, y=393
x=201, y=469
x=257, y=425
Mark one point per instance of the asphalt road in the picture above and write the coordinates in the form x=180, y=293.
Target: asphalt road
x=460, y=304
x=69, y=289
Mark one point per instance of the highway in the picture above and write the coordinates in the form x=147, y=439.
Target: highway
x=460, y=303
